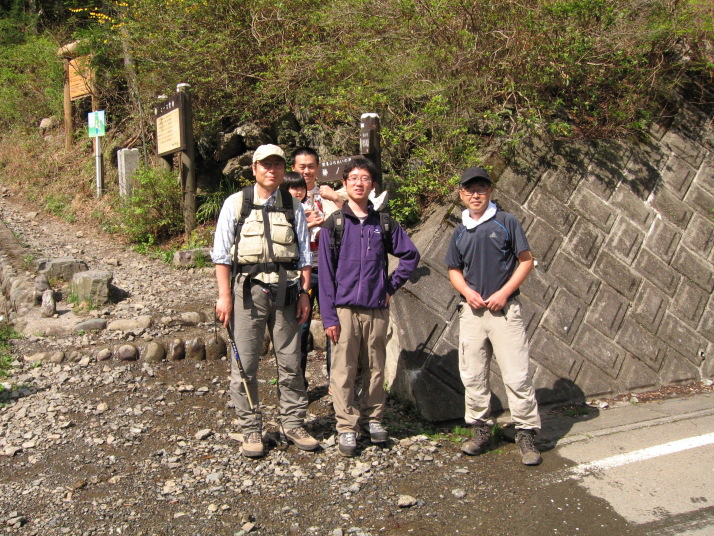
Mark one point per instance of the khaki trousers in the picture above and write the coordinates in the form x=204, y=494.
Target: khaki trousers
x=249, y=329
x=501, y=333
x=363, y=341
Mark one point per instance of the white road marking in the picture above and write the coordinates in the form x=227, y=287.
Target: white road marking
x=643, y=454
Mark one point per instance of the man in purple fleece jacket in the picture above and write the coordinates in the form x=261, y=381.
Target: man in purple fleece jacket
x=355, y=290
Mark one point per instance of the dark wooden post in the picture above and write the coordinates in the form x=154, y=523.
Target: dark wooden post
x=188, y=164
x=68, y=125
x=369, y=142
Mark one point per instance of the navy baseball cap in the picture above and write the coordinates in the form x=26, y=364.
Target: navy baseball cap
x=474, y=174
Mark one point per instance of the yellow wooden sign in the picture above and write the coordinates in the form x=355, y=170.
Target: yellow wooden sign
x=170, y=135
x=80, y=77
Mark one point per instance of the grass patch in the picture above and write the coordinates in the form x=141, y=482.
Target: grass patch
x=577, y=411
x=7, y=333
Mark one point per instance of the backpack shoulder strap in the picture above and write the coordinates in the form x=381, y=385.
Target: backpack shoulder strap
x=244, y=204
x=286, y=203
x=387, y=224
x=335, y=222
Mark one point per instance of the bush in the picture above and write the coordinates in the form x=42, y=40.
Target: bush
x=153, y=213
x=6, y=334
x=31, y=77
x=448, y=77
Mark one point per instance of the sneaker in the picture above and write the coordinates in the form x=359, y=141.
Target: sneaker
x=479, y=441
x=377, y=432
x=253, y=445
x=525, y=439
x=302, y=439
x=347, y=445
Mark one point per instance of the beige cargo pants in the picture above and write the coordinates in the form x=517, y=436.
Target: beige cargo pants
x=482, y=334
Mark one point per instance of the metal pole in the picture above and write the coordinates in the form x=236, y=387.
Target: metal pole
x=100, y=165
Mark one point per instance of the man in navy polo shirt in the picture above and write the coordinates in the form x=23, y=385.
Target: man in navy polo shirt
x=489, y=259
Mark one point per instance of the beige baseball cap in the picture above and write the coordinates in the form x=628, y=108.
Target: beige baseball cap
x=264, y=151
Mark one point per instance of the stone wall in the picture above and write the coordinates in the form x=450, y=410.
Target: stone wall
x=621, y=298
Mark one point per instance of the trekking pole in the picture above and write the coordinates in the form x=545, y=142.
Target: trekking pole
x=241, y=370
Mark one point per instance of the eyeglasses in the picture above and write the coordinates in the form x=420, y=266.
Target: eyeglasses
x=275, y=164
x=470, y=192
x=363, y=178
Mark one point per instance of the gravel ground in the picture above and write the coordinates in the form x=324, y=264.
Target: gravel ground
x=152, y=448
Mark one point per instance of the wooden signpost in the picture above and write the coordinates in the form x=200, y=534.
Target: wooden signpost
x=332, y=170
x=78, y=83
x=174, y=134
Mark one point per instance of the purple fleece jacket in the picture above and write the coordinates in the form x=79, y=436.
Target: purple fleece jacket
x=359, y=278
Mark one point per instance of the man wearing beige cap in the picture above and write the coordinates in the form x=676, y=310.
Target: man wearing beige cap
x=262, y=255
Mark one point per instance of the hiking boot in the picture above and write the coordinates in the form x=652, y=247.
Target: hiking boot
x=253, y=445
x=347, y=445
x=302, y=439
x=525, y=439
x=480, y=440
x=377, y=432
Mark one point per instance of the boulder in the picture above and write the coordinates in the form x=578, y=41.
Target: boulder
x=196, y=349
x=92, y=324
x=215, y=349
x=61, y=268
x=235, y=169
x=104, y=354
x=177, y=350
x=229, y=145
x=127, y=352
x=192, y=318
x=48, y=309
x=253, y=136
x=187, y=258
x=319, y=341
x=38, y=357
x=42, y=283
x=154, y=352
x=57, y=357
x=21, y=292
x=131, y=324
x=91, y=286
x=47, y=124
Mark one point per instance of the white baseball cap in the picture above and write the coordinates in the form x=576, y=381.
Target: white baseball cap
x=264, y=151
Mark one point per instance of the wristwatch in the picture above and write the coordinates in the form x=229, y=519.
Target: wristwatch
x=303, y=291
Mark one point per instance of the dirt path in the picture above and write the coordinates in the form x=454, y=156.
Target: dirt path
x=152, y=448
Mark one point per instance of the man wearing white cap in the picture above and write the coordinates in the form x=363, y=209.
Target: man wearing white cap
x=262, y=247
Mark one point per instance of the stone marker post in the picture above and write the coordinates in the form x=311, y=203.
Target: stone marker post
x=128, y=160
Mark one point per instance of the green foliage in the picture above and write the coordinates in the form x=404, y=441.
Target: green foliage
x=448, y=77
x=210, y=203
x=577, y=411
x=201, y=261
x=153, y=212
x=6, y=334
x=31, y=76
x=60, y=206
x=28, y=261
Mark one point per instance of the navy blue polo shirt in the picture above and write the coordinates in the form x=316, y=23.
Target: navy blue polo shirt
x=488, y=254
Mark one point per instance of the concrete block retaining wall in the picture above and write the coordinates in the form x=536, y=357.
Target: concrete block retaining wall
x=621, y=299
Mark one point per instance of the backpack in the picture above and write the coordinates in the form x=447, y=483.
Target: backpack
x=284, y=199
x=284, y=203
x=336, y=223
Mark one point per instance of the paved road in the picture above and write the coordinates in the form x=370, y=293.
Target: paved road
x=653, y=465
